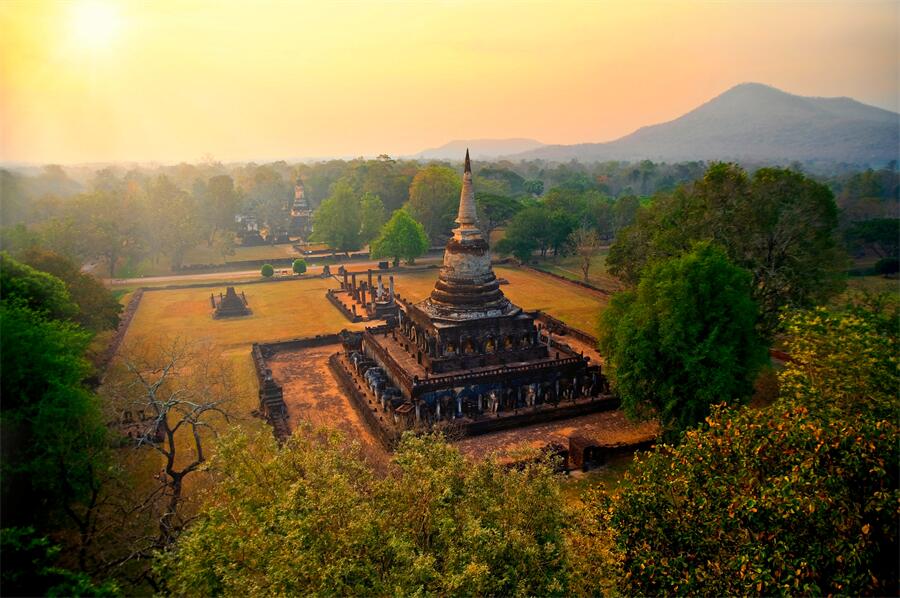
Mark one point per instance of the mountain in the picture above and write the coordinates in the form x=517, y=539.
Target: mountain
x=755, y=123
x=480, y=148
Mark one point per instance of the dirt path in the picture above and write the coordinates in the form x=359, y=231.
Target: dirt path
x=312, y=394
x=243, y=275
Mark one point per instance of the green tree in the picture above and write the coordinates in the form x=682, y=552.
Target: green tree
x=525, y=234
x=684, y=340
x=798, y=497
x=54, y=437
x=372, y=217
x=534, y=187
x=267, y=270
x=434, y=198
x=97, y=308
x=772, y=501
x=37, y=291
x=337, y=221
x=220, y=204
x=299, y=266
x=881, y=236
x=495, y=210
x=402, y=237
x=779, y=225
x=435, y=524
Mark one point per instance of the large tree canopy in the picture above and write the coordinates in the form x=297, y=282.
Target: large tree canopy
x=778, y=224
x=684, y=340
x=337, y=221
x=799, y=497
x=97, y=308
x=401, y=238
x=313, y=518
x=433, y=199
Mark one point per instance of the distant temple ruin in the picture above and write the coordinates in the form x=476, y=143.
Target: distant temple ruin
x=301, y=215
x=466, y=354
x=229, y=305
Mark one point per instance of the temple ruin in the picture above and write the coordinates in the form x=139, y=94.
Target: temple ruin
x=229, y=305
x=365, y=300
x=466, y=354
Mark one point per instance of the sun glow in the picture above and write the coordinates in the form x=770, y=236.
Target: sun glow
x=94, y=24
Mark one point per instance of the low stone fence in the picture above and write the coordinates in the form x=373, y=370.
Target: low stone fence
x=569, y=280
x=124, y=322
x=557, y=326
x=539, y=416
x=271, y=348
x=330, y=294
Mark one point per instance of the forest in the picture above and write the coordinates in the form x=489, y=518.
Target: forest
x=766, y=480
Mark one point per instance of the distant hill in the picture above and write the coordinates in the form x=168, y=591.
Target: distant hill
x=754, y=122
x=480, y=148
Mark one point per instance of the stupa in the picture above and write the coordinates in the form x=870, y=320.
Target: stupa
x=229, y=305
x=467, y=352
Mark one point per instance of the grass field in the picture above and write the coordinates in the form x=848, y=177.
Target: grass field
x=298, y=308
x=570, y=267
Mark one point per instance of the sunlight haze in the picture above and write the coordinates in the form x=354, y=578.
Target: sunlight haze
x=100, y=81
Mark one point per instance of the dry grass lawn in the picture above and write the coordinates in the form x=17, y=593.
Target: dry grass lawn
x=298, y=308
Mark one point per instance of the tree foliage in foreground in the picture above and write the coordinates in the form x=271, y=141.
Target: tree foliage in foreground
x=684, y=340
x=313, y=518
x=97, y=308
x=796, y=498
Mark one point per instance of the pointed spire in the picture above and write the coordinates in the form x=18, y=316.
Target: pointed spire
x=467, y=217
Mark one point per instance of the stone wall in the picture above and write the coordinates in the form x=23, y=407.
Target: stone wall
x=388, y=438
x=124, y=322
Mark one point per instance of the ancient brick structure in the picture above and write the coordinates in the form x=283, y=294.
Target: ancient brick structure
x=365, y=300
x=229, y=305
x=466, y=353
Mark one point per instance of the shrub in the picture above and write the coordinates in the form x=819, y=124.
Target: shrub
x=299, y=266
x=267, y=270
x=772, y=501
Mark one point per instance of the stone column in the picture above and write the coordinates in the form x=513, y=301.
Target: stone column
x=353, y=292
x=344, y=284
x=362, y=299
x=417, y=412
x=458, y=407
x=370, y=279
x=391, y=283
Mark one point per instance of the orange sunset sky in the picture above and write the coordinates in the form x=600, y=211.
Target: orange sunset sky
x=95, y=80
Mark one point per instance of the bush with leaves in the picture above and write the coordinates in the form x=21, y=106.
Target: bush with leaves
x=299, y=266
x=313, y=518
x=684, y=340
x=799, y=497
x=267, y=270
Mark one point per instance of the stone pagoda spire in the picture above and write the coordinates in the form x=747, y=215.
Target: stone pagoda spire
x=468, y=217
x=466, y=287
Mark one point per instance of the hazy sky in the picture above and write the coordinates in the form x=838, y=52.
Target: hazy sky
x=95, y=80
